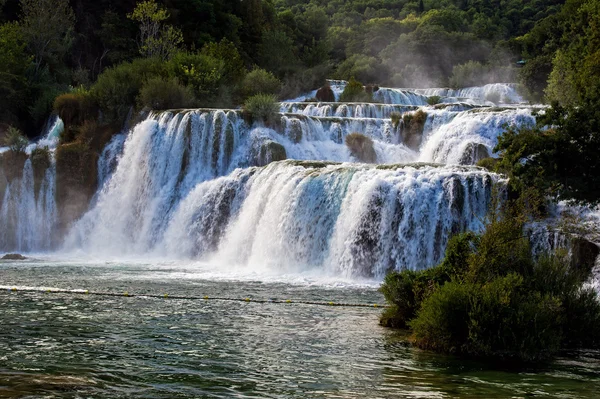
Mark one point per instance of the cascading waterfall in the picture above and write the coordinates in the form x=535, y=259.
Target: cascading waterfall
x=28, y=217
x=192, y=185
x=348, y=219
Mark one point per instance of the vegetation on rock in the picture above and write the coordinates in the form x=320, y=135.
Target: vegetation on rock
x=355, y=92
x=412, y=130
x=262, y=108
x=361, y=147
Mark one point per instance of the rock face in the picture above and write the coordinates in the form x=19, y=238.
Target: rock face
x=584, y=254
x=13, y=257
x=325, y=94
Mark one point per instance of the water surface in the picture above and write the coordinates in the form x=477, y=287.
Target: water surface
x=83, y=346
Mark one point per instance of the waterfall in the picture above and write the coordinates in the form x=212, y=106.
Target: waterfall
x=290, y=196
x=28, y=217
x=355, y=220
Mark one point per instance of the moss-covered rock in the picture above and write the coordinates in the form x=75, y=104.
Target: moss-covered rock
x=361, y=147
x=12, y=164
x=294, y=130
x=474, y=152
x=271, y=151
x=76, y=180
x=412, y=129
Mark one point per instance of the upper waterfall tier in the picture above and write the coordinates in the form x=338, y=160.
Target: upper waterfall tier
x=490, y=94
x=350, y=219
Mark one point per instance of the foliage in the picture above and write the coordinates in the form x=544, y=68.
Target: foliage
x=491, y=298
x=361, y=147
x=14, y=62
x=260, y=81
x=48, y=28
x=161, y=94
x=15, y=140
x=355, y=92
x=156, y=40
x=545, y=158
x=76, y=107
x=262, y=107
x=413, y=126
x=433, y=100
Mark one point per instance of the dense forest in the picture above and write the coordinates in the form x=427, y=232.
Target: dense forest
x=50, y=47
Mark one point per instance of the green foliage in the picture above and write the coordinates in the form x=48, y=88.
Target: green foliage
x=15, y=140
x=560, y=162
x=157, y=40
x=161, y=94
x=361, y=147
x=491, y=298
x=433, y=100
x=262, y=108
x=14, y=62
x=48, y=27
x=117, y=88
x=260, y=81
x=355, y=92
x=75, y=108
x=362, y=67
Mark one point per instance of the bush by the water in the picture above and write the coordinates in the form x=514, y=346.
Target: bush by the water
x=361, y=147
x=433, y=100
x=355, y=92
x=492, y=298
x=263, y=108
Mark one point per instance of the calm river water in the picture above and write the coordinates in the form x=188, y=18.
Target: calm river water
x=84, y=346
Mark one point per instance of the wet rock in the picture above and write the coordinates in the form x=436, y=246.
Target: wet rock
x=584, y=254
x=13, y=257
x=271, y=151
x=474, y=153
x=325, y=94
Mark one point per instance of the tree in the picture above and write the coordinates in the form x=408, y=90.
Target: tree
x=156, y=39
x=47, y=27
x=13, y=64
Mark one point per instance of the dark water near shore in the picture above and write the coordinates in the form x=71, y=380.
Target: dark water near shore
x=77, y=346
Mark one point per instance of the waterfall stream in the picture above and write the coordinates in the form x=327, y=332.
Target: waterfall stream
x=199, y=184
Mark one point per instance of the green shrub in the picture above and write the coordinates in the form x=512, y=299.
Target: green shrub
x=76, y=107
x=433, y=100
x=443, y=319
x=204, y=74
x=260, y=81
x=491, y=298
x=361, y=147
x=263, y=108
x=489, y=163
x=355, y=92
x=117, y=88
x=15, y=140
x=161, y=94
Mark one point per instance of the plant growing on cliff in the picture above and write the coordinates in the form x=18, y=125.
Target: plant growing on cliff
x=361, y=147
x=260, y=81
x=262, y=108
x=15, y=140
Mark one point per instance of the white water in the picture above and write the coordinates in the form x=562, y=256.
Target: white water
x=188, y=186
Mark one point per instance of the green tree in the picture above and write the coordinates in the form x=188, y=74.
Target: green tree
x=13, y=64
x=156, y=38
x=48, y=27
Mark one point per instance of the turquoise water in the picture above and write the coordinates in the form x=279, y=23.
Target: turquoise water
x=83, y=346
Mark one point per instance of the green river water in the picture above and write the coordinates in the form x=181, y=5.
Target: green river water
x=85, y=346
